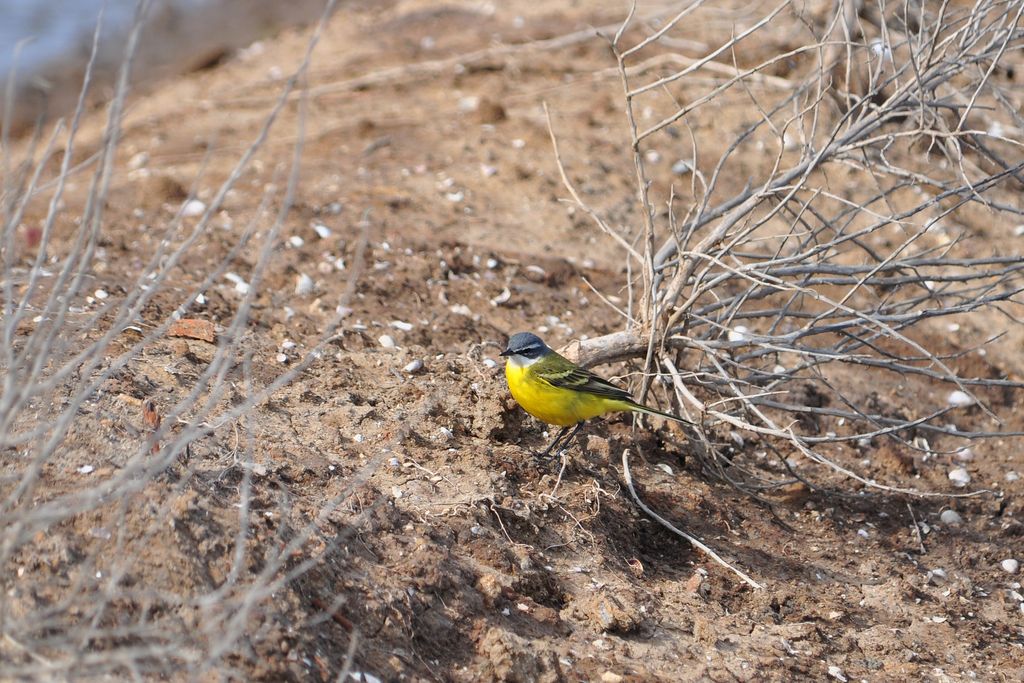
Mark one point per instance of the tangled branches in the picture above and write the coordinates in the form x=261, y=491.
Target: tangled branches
x=794, y=300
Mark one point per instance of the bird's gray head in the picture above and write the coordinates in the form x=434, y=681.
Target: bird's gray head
x=525, y=348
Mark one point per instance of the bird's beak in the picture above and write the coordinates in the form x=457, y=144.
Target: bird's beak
x=506, y=352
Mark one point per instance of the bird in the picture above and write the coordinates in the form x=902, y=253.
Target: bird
x=556, y=391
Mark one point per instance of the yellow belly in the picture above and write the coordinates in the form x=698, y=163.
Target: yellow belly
x=552, y=405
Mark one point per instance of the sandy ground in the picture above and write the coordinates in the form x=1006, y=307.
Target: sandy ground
x=454, y=554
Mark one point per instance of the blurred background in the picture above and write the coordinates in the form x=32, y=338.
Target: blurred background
x=45, y=44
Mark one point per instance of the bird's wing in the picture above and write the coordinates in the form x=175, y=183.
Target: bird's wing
x=566, y=375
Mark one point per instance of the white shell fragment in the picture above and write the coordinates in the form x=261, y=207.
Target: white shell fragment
x=959, y=399
x=1010, y=565
x=241, y=286
x=414, y=366
x=960, y=477
x=387, y=341
x=400, y=325
x=322, y=231
x=739, y=333
x=964, y=454
x=303, y=284
x=837, y=673
x=951, y=517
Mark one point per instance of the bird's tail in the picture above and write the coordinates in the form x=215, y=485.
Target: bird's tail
x=640, y=408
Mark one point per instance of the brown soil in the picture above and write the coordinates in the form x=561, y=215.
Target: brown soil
x=455, y=554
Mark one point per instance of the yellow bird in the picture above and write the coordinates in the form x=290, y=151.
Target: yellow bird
x=557, y=391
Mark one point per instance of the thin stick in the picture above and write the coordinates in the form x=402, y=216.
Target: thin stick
x=668, y=525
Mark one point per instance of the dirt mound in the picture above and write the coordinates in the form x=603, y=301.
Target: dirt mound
x=386, y=502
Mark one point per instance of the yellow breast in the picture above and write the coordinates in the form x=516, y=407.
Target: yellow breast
x=551, y=404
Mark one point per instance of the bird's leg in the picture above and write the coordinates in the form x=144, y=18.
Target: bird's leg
x=561, y=438
x=547, y=451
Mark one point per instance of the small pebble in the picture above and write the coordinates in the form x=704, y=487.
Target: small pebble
x=322, y=231
x=86, y=469
x=282, y=358
x=414, y=366
x=490, y=363
x=959, y=399
x=241, y=286
x=1012, y=476
x=303, y=284
x=936, y=576
x=400, y=325
x=386, y=341
x=138, y=161
x=682, y=167
x=193, y=208
x=960, y=477
x=296, y=241
x=1010, y=566
x=100, y=294
x=964, y=454
x=951, y=517
x=738, y=334
x=665, y=468
x=837, y=673
x=863, y=533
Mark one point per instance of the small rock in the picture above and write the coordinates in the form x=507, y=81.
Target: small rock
x=100, y=294
x=386, y=341
x=611, y=677
x=1010, y=566
x=964, y=454
x=959, y=399
x=322, y=231
x=490, y=363
x=86, y=469
x=193, y=208
x=400, y=325
x=138, y=161
x=951, y=517
x=936, y=576
x=414, y=366
x=682, y=167
x=296, y=241
x=598, y=445
x=960, y=477
x=1011, y=476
